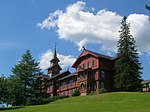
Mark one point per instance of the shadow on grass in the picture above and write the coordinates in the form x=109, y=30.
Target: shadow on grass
x=11, y=108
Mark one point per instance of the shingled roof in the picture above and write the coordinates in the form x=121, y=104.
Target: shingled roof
x=101, y=55
x=96, y=54
x=70, y=75
x=145, y=82
x=61, y=74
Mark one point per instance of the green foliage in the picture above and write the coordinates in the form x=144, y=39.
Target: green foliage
x=127, y=65
x=40, y=87
x=26, y=72
x=15, y=91
x=93, y=93
x=3, y=89
x=76, y=93
x=147, y=7
x=9, y=90
x=102, y=91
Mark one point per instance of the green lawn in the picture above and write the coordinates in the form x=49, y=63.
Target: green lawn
x=108, y=102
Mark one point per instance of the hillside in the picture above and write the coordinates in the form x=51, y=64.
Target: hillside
x=109, y=102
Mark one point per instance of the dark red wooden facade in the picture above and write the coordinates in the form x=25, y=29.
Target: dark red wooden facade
x=94, y=71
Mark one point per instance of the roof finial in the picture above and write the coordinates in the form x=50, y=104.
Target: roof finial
x=55, y=45
x=83, y=47
x=55, y=54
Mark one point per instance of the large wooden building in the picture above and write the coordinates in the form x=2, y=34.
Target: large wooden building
x=93, y=71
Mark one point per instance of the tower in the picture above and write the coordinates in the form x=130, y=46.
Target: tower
x=54, y=67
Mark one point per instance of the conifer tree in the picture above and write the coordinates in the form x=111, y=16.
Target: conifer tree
x=15, y=92
x=3, y=90
x=128, y=67
x=40, y=87
x=26, y=71
x=147, y=7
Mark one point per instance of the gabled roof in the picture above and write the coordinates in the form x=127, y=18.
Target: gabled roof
x=45, y=76
x=50, y=67
x=94, y=54
x=63, y=73
x=68, y=76
x=145, y=82
x=100, y=55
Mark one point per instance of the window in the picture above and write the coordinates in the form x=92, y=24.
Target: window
x=102, y=85
x=63, y=85
x=79, y=68
x=95, y=75
x=71, y=83
x=84, y=66
x=82, y=86
x=88, y=64
x=71, y=91
x=64, y=93
x=93, y=63
x=79, y=75
x=57, y=86
x=102, y=74
x=84, y=74
x=48, y=88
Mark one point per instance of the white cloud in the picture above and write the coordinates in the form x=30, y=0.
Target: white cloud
x=140, y=29
x=50, y=22
x=66, y=61
x=81, y=26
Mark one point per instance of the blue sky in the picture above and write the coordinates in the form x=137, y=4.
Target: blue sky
x=39, y=24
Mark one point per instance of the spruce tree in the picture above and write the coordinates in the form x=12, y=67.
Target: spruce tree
x=15, y=92
x=127, y=65
x=3, y=89
x=147, y=7
x=40, y=87
x=26, y=72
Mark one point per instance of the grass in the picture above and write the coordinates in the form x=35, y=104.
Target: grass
x=108, y=102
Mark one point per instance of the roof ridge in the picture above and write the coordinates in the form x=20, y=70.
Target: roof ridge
x=101, y=55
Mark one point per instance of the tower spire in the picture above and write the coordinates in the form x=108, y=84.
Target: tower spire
x=55, y=59
x=55, y=54
x=54, y=66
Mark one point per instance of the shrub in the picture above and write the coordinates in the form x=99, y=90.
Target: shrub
x=102, y=91
x=76, y=93
x=93, y=93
